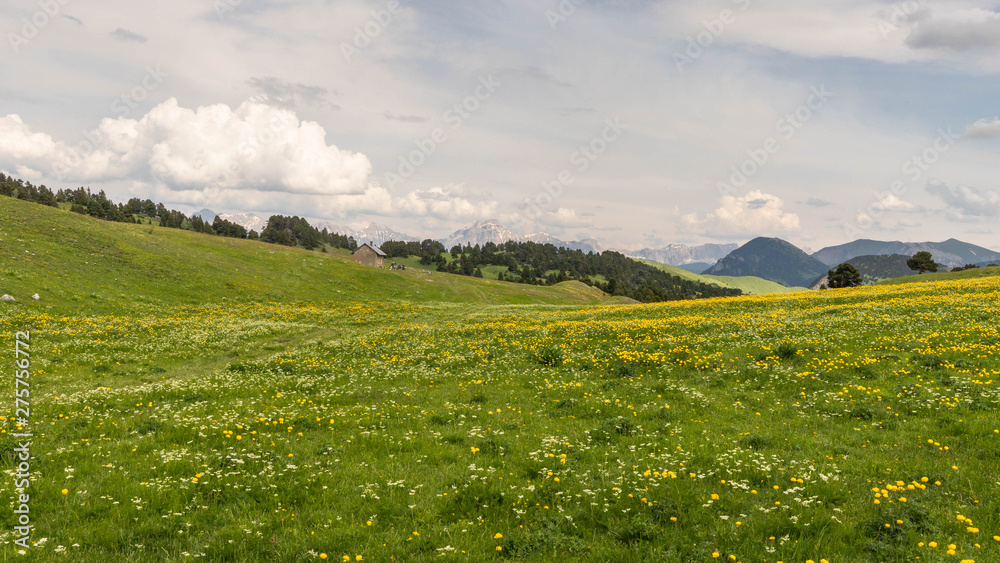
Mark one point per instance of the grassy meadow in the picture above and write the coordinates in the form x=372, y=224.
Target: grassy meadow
x=201, y=398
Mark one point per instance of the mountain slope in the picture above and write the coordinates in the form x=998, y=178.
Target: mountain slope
x=874, y=269
x=79, y=264
x=771, y=259
x=948, y=253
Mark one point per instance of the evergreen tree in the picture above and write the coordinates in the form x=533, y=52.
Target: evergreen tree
x=845, y=275
x=922, y=262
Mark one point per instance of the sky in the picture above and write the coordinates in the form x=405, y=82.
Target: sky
x=637, y=122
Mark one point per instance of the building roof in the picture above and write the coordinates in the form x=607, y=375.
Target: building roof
x=378, y=251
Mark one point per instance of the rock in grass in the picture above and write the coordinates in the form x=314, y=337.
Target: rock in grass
x=35, y=297
x=7, y=298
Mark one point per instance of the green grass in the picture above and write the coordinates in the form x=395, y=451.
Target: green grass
x=756, y=286
x=944, y=276
x=278, y=423
x=749, y=284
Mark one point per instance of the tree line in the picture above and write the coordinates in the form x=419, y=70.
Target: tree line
x=546, y=264
x=289, y=231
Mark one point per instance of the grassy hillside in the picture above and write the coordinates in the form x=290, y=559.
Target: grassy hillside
x=78, y=263
x=857, y=425
x=749, y=284
x=946, y=276
x=681, y=272
x=754, y=285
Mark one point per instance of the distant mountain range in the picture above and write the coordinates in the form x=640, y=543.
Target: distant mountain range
x=206, y=215
x=250, y=221
x=682, y=254
x=483, y=232
x=768, y=258
x=772, y=259
x=949, y=253
x=372, y=233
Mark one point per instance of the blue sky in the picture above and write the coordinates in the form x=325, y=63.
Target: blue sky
x=316, y=108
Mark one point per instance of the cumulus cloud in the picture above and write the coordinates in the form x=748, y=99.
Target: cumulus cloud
x=257, y=157
x=529, y=218
x=568, y=218
x=891, y=202
x=966, y=200
x=444, y=203
x=255, y=146
x=984, y=129
x=755, y=213
x=963, y=31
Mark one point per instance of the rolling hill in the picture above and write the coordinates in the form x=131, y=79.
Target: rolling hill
x=79, y=264
x=992, y=271
x=771, y=259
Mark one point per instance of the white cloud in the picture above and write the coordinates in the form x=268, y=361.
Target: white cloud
x=966, y=200
x=444, y=203
x=755, y=213
x=891, y=202
x=255, y=158
x=566, y=218
x=983, y=129
x=255, y=147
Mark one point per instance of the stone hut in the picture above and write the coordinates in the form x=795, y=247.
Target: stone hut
x=370, y=255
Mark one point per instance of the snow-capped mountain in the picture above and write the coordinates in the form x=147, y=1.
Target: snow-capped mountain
x=588, y=245
x=373, y=232
x=207, y=215
x=680, y=254
x=249, y=221
x=483, y=232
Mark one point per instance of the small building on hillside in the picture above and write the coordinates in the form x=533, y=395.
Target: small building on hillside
x=370, y=255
